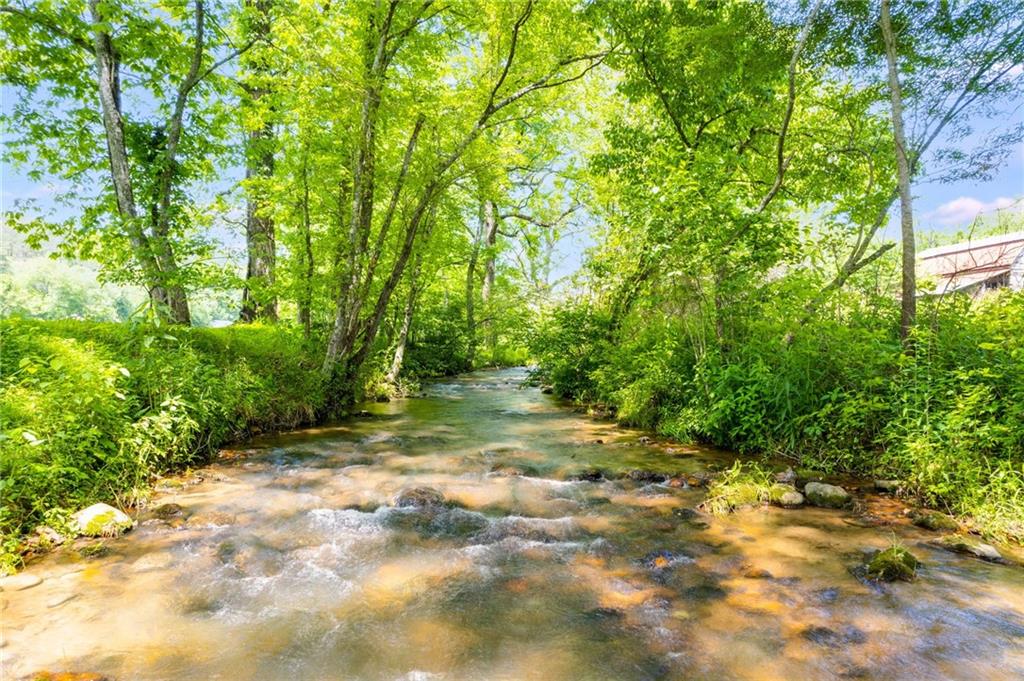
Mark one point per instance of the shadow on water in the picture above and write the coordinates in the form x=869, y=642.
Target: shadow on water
x=547, y=546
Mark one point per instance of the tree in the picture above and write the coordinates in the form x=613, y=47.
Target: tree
x=259, y=299
x=514, y=79
x=946, y=65
x=66, y=59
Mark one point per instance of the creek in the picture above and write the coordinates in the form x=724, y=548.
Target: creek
x=290, y=559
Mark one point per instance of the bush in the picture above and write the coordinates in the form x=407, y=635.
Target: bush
x=92, y=411
x=838, y=395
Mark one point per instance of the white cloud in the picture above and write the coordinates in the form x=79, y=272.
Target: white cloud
x=964, y=209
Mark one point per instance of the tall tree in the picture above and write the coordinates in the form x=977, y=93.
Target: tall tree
x=945, y=67
x=908, y=296
x=519, y=69
x=71, y=122
x=259, y=298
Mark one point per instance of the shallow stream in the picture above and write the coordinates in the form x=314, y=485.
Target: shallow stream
x=290, y=560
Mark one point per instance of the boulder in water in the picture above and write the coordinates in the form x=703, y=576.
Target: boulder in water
x=828, y=496
x=933, y=520
x=588, y=475
x=887, y=486
x=785, y=495
x=894, y=563
x=970, y=546
x=101, y=520
x=639, y=475
x=167, y=512
x=419, y=496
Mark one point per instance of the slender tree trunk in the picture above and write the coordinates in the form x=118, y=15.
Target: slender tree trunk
x=474, y=256
x=908, y=303
x=148, y=252
x=305, y=303
x=346, y=319
x=490, y=239
x=403, y=333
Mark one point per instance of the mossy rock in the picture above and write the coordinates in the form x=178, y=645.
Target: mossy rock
x=785, y=495
x=94, y=550
x=933, y=520
x=970, y=546
x=101, y=520
x=419, y=496
x=827, y=496
x=894, y=563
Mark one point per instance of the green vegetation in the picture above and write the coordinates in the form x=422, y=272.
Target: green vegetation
x=894, y=563
x=742, y=485
x=839, y=394
x=92, y=412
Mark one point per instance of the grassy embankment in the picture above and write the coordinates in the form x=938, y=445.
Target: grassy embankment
x=841, y=395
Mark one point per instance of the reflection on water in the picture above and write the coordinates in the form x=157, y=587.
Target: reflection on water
x=290, y=560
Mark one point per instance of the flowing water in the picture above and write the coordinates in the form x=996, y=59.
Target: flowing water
x=289, y=560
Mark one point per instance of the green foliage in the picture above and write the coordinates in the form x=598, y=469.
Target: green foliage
x=568, y=347
x=744, y=484
x=835, y=396
x=91, y=411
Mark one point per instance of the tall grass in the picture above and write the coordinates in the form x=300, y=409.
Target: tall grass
x=92, y=411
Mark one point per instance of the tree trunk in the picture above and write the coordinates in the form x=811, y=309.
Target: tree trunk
x=346, y=320
x=258, y=298
x=169, y=303
x=908, y=303
x=490, y=239
x=474, y=256
x=403, y=333
x=305, y=302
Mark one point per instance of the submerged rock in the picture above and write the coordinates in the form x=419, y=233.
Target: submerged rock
x=101, y=520
x=827, y=496
x=756, y=573
x=824, y=636
x=588, y=475
x=970, y=546
x=167, y=512
x=639, y=475
x=19, y=582
x=419, y=496
x=933, y=520
x=894, y=563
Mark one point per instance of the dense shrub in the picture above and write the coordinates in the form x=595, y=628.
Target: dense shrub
x=838, y=394
x=91, y=411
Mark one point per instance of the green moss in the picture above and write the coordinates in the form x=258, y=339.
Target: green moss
x=894, y=563
x=933, y=520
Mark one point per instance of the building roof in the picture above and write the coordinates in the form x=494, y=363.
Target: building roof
x=966, y=264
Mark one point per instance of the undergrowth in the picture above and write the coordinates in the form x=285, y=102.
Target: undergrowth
x=93, y=411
